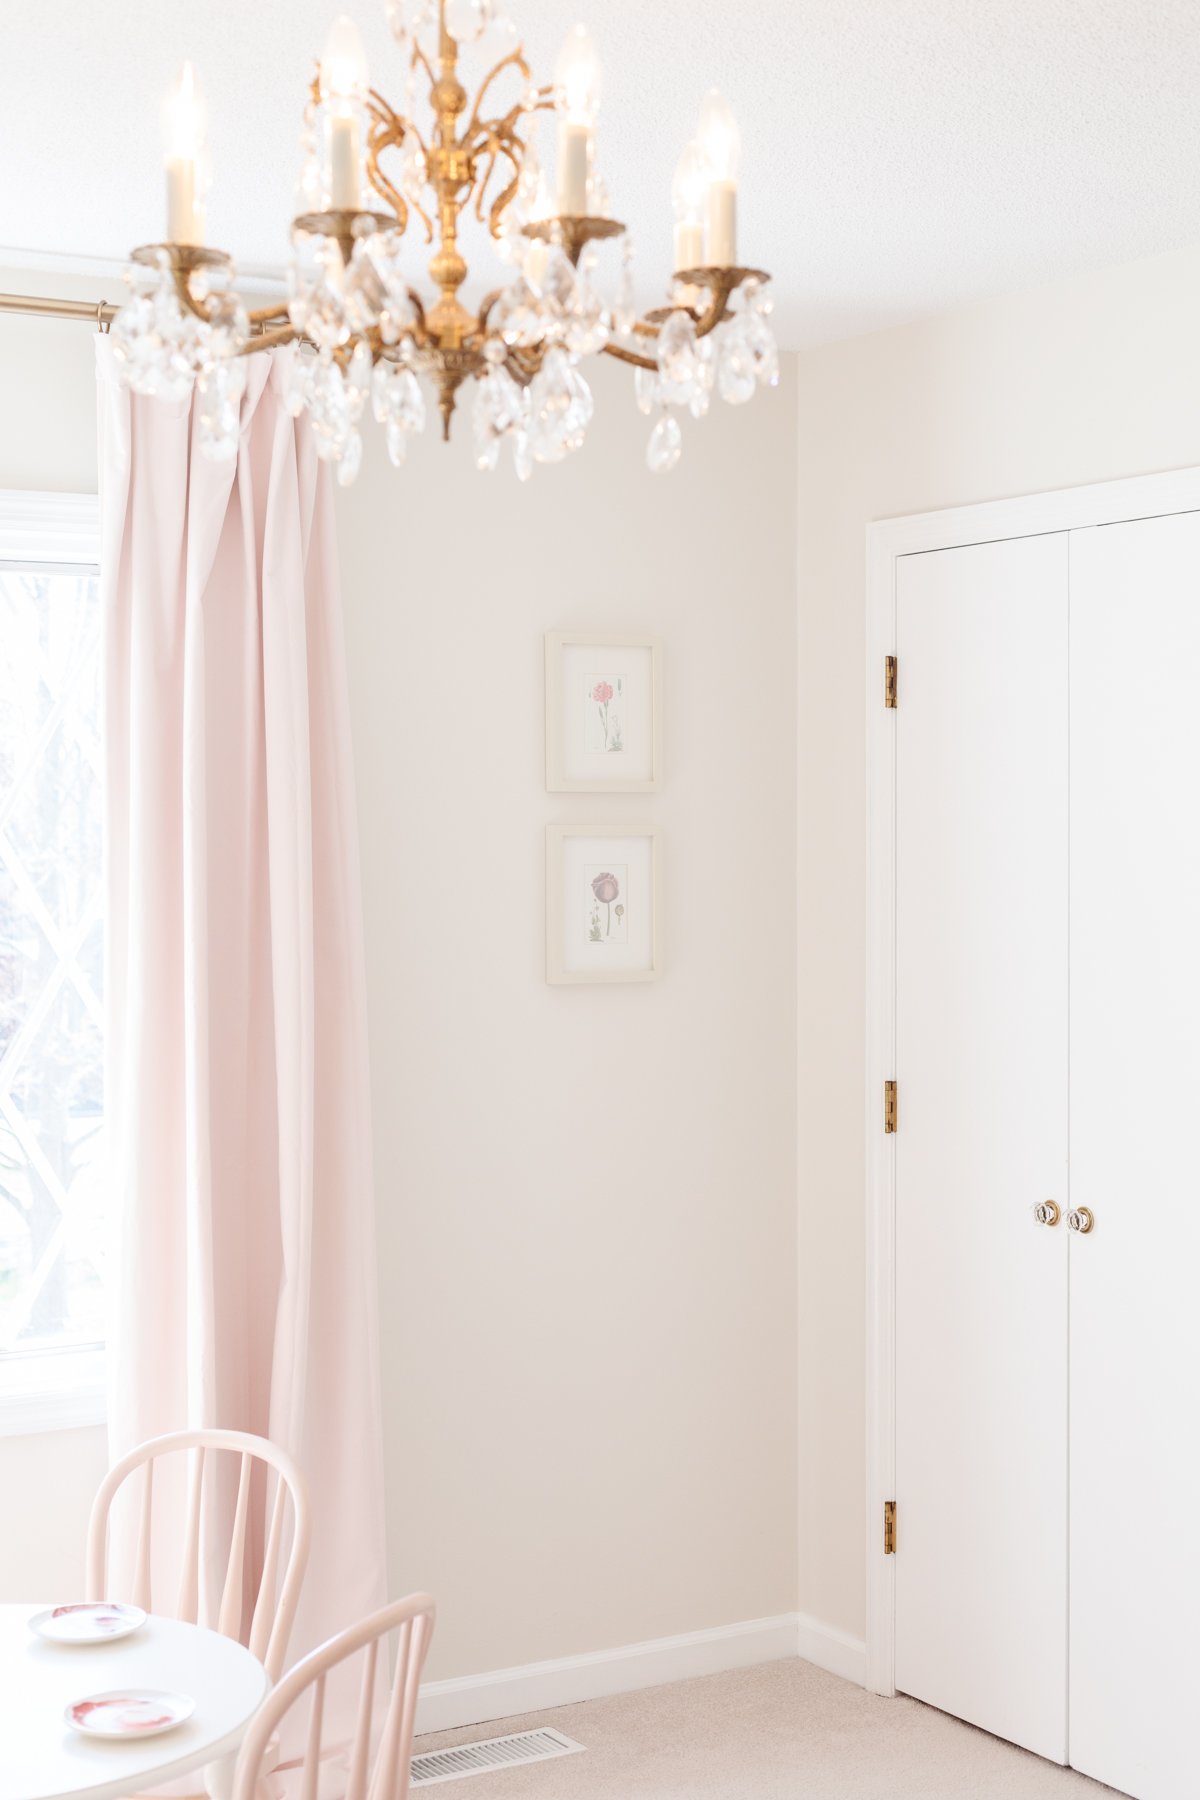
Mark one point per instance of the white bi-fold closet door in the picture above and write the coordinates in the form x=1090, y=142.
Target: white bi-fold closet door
x=1047, y=1050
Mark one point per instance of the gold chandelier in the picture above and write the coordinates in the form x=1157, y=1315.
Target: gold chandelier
x=366, y=333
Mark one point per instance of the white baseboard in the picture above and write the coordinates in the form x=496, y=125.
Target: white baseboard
x=831, y=1649
x=537, y=1687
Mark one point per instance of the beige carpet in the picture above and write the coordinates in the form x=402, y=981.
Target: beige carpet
x=785, y=1731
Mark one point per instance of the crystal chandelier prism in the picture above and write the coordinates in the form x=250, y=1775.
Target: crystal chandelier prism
x=369, y=336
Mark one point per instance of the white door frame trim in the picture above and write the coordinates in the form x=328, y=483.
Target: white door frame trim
x=1105, y=503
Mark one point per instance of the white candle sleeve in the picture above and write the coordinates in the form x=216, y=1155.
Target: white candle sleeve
x=574, y=156
x=689, y=245
x=722, y=224
x=344, y=175
x=183, y=225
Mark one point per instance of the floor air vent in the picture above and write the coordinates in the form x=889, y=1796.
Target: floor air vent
x=432, y=1766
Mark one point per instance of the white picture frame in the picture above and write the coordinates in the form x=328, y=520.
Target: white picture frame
x=603, y=903
x=603, y=713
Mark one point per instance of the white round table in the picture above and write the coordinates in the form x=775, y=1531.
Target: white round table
x=42, y=1758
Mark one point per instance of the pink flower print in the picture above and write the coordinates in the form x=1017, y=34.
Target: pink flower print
x=602, y=693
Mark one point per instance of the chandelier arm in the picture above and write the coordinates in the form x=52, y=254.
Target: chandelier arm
x=183, y=288
x=508, y=192
x=488, y=139
x=263, y=315
x=498, y=137
x=629, y=356
x=716, y=310
x=705, y=323
x=388, y=131
x=393, y=123
x=493, y=155
x=421, y=335
x=379, y=181
x=512, y=145
x=653, y=323
x=501, y=205
x=267, y=340
x=424, y=218
x=379, y=109
x=514, y=60
x=485, y=307
x=406, y=126
x=420, y=60
x=481, y=132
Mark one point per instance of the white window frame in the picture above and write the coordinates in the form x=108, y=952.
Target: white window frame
x=54, y=1390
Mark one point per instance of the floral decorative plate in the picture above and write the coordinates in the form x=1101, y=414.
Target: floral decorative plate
x=87, y=1622
x=129, y=1713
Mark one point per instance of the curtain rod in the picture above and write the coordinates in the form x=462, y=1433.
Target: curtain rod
x=96, y=312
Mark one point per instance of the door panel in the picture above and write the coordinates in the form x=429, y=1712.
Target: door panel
x=981, y=1065
x=1135, y=1114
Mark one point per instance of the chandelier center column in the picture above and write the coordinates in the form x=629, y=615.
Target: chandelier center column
x=451, y=167
x=452, y=171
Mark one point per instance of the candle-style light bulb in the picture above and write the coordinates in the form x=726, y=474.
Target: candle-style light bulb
x=345, y=79
x=689, y=197
x=722, y=145
x=719, y=136
x=577, y=78
x=184, y=116
x=345, y=72
x=183, y=130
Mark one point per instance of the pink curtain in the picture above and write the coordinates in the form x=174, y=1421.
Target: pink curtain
x=245, y=1289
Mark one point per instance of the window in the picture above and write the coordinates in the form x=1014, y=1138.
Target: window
x=53, y=1238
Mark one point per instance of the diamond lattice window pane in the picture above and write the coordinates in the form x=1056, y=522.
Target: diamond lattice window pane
x=27, y=957
x=53, y=826
x=52, y=1224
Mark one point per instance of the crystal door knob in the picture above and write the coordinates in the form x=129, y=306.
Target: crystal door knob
x=1047, y=1213
x=1080, y=1219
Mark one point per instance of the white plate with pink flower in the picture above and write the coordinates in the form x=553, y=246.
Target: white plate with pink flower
x=87, y=1622
x=129, y=1713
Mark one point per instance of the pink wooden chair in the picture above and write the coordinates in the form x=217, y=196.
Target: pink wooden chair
x=382, y=1775
x=272, y=1619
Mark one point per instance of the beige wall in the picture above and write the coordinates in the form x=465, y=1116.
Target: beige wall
x=46, y=1486
x=1086, y=380
x=586, y=1197
x=48, y=391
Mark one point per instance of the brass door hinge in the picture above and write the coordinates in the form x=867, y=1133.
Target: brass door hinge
x=889, y=1528
x=889, y=1106
x=890, y=680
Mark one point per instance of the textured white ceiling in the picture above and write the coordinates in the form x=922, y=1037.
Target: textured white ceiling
x=898, y=155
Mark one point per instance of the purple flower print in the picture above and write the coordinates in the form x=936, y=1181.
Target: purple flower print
x=606, y=888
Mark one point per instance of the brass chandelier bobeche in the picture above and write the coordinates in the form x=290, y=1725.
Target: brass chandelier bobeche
x=366, y=335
